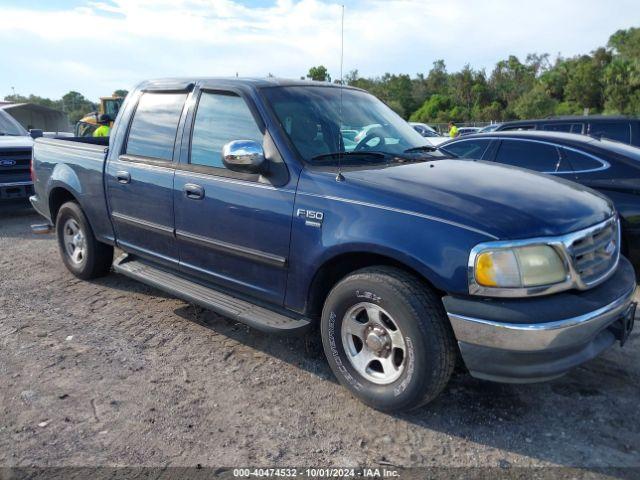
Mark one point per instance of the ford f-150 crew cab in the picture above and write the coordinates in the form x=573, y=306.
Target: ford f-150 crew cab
x=241, y=196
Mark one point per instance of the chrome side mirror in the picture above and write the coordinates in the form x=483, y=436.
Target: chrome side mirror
x=244, y=156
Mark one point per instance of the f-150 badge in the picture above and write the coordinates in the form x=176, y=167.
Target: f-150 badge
x=312, y=218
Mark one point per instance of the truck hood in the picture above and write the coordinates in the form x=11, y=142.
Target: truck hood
x=12, y=141
x=501, y=201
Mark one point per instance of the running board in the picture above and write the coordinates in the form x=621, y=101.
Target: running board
x=239, y=310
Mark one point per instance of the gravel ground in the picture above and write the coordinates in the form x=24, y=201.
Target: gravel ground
x=112, y=372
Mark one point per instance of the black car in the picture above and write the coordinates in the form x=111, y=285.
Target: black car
x=620, y=128
x=612, y=168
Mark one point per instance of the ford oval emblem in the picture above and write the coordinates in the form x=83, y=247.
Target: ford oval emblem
x=7, y=163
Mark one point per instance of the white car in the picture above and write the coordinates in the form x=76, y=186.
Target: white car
x=429, y=133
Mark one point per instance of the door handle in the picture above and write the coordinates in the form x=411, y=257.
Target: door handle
x=123, y=177
x=193, y=191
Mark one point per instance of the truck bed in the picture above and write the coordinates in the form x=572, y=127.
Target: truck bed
x=78, y=164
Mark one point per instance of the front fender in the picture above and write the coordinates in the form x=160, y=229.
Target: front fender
x=438, y=250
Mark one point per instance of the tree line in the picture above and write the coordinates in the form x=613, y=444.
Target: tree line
x=605, y=81
x=73, y=103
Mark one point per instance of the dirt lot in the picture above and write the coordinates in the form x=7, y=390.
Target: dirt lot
x=113, y=372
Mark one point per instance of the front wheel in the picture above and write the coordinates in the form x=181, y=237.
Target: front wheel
x=81, y=253
x=387, y=338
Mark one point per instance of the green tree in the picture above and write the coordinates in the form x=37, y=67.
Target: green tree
x=120, y=93
x=510, y=79
x=76, y=105
x=437, y=80
x=319, y=74
x=626, y=44
x=536, y=103
x=435, y=109
x=584, y=86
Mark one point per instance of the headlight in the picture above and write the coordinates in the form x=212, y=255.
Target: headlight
x=517, y=267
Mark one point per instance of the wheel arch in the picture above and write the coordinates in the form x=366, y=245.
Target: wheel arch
x=337, y=267
x=58, y=196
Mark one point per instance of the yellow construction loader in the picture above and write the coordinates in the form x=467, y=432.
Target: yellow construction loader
x=87, y=124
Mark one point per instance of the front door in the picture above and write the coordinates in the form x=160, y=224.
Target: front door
x=140, y=180
x=232, y=229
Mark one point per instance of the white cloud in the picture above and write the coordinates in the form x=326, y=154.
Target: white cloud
x=103, y=45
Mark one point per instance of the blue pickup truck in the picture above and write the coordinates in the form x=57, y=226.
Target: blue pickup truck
x=243, y=197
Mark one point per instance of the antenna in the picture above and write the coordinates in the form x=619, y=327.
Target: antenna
x=339, y=176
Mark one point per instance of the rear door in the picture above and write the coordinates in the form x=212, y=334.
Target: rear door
x=140, y=180
x=232, y=229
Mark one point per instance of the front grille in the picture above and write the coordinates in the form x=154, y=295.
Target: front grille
x=595, y=252
x=15, y=165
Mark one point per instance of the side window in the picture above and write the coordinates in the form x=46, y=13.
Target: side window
x=155, y=122
x=220, y=118
x=468, y=148
x=532, y=155
x=619, y=131
x=563, y=127
x=581, y=162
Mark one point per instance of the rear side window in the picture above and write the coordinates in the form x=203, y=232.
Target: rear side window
x=532, y=155
x=563, y=127
x=467, y=148
x=581, y=162
x=155, y=122
x=220, y=118
x=620, y=131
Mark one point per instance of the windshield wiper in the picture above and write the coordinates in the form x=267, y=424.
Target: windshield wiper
x=350, y=154
x=421, y=148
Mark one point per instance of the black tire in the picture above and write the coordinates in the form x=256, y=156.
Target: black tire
x=430, y=346
x=96, y=257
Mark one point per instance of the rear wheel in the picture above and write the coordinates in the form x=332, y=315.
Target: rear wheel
x=387, y=338
x=81, y=253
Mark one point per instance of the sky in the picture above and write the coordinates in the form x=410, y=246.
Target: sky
x=49, y=47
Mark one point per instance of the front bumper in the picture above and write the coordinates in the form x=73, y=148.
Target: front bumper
x=536, y=339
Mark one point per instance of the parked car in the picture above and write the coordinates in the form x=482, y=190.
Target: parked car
x=612, y=168
x=462, y=131
x=490, y=128
x=619, y=128
x=15, y=159
x=429, y=133
x=238, y=195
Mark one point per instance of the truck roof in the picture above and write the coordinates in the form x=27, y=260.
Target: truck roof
x=185, y=83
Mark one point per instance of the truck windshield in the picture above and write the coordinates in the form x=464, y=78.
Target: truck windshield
x=8, y=126
x=321, y=126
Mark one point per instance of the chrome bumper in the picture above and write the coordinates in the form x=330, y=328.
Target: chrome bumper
x=537, y=339
x=539, y=336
